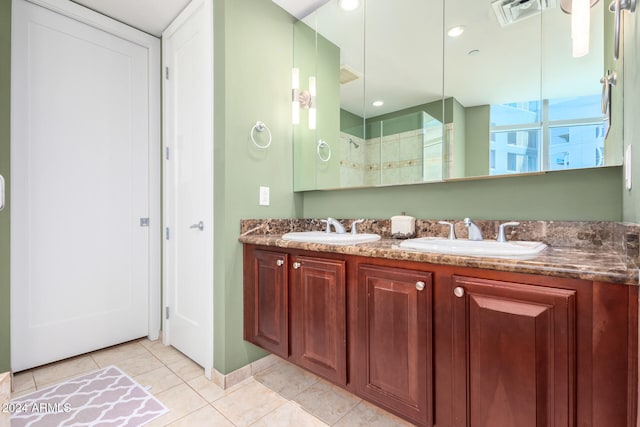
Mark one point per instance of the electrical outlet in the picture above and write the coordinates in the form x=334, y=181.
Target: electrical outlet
x=264, y=196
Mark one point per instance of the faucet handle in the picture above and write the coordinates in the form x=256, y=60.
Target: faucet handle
x=328, y=228
x=452, y=231
x=502, y=237
x=354, y=230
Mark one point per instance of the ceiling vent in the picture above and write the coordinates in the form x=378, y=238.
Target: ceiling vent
x=348, y=74
x=510, y=11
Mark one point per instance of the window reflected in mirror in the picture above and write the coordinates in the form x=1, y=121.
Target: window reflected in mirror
x=556, y=134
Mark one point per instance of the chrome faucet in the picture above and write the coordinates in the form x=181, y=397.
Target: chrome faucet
x=336, y=225
x=354, y=229
x=474, y=230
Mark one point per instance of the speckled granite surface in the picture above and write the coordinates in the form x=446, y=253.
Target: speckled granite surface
x=599, y=251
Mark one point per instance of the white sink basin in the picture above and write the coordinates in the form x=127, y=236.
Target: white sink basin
x=330, y=238
x=473, y=247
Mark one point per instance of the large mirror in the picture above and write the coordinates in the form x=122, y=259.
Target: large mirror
x=505, y=96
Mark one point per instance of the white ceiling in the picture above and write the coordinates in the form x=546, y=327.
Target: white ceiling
x=150, y=16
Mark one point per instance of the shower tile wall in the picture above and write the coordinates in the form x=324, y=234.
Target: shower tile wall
x=352, y=160
x=391, y=159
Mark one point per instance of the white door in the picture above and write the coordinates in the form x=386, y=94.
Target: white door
x=188, y=190
x=82, y=134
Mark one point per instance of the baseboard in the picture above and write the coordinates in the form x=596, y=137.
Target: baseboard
x=225, y=381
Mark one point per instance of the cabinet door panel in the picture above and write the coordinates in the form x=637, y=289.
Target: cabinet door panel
x=319, y=317
x=394, y=340
x=266, y=313
x=514, y=354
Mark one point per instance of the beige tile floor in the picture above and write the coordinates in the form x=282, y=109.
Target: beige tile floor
x=280, y=395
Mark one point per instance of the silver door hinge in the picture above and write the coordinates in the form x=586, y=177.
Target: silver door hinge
x=166, y=233
x=166, y=153
x=144, y=222
x=166, y=312
x=166, y=73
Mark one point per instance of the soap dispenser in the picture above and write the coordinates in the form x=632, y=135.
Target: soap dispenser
x=403, y=226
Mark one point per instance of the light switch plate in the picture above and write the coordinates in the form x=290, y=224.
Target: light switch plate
x=264, y=196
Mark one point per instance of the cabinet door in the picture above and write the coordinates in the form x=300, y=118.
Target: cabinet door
x=266, y=297
x=514, y=354
x=318, y=317
x=394, y=340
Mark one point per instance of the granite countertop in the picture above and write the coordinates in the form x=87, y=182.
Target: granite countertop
x=588, y=263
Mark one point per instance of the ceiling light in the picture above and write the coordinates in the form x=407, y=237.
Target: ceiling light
x=378, y=103
x=348, y=4
x=455, y=31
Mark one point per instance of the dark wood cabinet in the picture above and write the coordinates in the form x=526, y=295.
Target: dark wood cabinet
x=394, y=341
x=450, y=346
x=266, y=321
x=514, y=354
x=318, y=316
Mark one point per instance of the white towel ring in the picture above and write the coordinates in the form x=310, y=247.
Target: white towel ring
x=260, y=127
x=322, y=143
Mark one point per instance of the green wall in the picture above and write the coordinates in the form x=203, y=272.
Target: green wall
x=459, y=140
x=631, y=199
x=392, y=125
x=253, y=60
x=590, y=194
x=434, y=109
x=351, y=123
x=477, y=140
x=5, y=108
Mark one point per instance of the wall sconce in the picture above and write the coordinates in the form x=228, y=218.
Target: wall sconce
x=580, y=22
x=305, y=99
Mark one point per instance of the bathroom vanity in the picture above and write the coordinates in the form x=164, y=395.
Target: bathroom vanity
x=453, y=340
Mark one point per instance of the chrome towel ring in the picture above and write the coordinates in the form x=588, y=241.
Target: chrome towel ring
x=321, y=144
x=260, y=127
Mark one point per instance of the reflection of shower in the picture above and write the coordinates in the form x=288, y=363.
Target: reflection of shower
x=355, y=144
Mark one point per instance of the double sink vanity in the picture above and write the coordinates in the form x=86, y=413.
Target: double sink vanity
x=454, y=332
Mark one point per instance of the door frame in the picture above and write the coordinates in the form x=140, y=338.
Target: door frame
x=168, y=222
x=152, y=45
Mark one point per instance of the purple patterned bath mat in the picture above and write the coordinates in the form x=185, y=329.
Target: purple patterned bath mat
x=107, y=397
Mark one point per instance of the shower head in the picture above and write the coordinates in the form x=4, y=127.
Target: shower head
x=351, y=141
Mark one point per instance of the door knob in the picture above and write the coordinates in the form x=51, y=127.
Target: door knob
x=459, y=292
x=296, y=265
x=420, y=285
x=199, y=226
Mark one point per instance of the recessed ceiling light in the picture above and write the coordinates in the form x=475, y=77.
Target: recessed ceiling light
x=378, y=103
x=455, y=31
x=348, y=4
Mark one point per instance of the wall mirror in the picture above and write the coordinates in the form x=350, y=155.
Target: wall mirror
x=505, y=96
